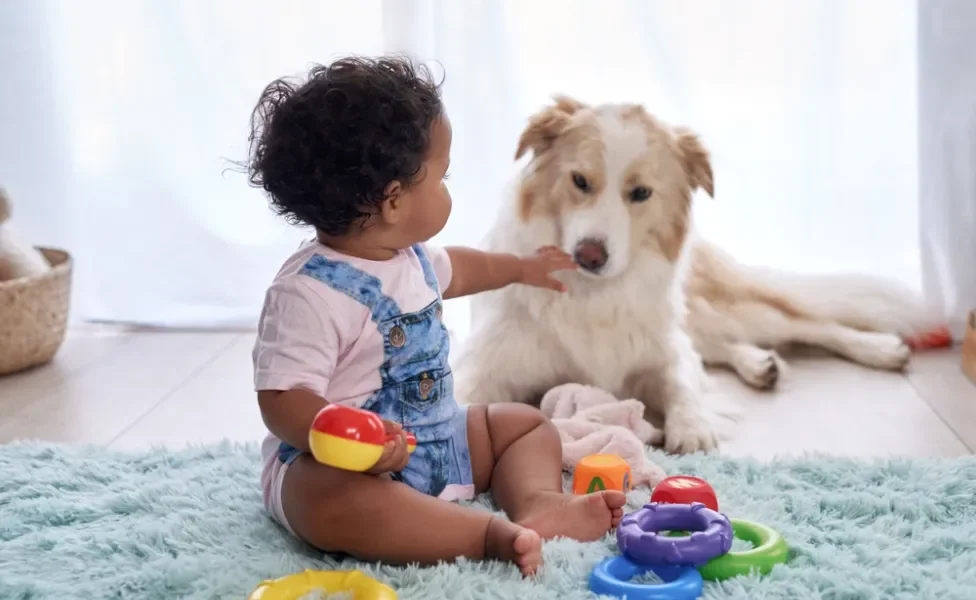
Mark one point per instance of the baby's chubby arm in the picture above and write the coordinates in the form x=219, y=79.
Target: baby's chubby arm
x=289, y=414
x=475, y=271
x=295, y=353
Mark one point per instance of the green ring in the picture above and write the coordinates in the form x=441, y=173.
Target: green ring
x=770, y=550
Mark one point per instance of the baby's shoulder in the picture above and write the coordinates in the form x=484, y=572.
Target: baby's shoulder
x=295, y=288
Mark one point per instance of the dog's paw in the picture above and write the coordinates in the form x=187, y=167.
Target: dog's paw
x=655, y=436
x=762, y=370
x=881, y=351
x=688, y=431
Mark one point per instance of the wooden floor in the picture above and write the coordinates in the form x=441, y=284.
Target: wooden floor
x=132, y=389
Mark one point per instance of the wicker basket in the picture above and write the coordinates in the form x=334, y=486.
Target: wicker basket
x=34, y=314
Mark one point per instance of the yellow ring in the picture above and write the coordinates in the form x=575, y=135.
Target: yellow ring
x=292, y=587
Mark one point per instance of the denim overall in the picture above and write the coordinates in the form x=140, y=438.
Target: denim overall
x=417, y=384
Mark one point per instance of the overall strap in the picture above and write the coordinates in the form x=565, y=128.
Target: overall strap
x=358, y=285
x=429, y=275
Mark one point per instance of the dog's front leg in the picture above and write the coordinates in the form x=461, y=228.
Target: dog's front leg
x=674, y=388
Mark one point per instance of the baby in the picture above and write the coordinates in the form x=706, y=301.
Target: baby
x=360, y=151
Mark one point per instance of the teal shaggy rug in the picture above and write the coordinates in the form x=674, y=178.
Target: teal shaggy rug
x=91, y=523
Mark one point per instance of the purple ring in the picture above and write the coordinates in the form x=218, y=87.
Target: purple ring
x=638, y=538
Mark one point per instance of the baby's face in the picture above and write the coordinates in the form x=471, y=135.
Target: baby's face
x=428, y=202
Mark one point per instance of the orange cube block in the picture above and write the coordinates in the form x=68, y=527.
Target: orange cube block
x=598, y=472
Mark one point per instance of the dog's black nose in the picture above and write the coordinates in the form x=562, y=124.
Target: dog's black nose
x=591, y=254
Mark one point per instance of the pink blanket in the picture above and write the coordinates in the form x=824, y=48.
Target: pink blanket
x=592, y=421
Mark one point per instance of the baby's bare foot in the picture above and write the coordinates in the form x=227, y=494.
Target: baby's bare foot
x=507, y=541
x=584, y=518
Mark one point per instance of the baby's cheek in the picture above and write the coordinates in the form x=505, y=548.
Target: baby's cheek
x=446, y=202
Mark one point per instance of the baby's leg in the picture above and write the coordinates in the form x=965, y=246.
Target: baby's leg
x=377, y=519
x=516, y=452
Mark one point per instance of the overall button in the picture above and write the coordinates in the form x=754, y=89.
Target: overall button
x=397, y=337
x=439, y=311
x=426, y=385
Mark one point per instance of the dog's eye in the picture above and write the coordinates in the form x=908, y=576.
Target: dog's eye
x=640, y=193
x=581, y=182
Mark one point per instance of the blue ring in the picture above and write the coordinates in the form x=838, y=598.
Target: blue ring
x=612, y=578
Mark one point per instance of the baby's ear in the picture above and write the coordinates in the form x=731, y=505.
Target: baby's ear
x=547, y=125
x=695, y=160
x=389, y=209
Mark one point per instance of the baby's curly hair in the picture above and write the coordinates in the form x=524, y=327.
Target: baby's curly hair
x=326, y=148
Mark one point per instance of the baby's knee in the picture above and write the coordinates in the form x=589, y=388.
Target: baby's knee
x=519, y=419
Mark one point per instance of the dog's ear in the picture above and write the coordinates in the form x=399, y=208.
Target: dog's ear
x=695, y=160
x=545, y=126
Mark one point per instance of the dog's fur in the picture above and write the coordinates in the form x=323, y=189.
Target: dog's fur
x=665, y=303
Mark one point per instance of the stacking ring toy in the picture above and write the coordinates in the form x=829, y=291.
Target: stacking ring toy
x=308, y=582
x=770, y=550
x=612, y=578
x=349, y=438
x=639, y=540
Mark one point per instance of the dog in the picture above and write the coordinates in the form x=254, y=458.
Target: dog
x=651, y=304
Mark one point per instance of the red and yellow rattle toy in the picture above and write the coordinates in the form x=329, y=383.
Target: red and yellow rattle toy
x=350, y=438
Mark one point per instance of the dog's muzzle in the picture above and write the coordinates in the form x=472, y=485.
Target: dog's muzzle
x=591, y=254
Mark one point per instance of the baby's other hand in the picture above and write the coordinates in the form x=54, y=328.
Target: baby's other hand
x=395, y=454
x=537, y=271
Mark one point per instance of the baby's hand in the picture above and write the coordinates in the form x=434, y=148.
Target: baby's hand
x=537, y=271
x=395, y=454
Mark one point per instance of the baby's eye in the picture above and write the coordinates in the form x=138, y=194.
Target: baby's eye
x=447, y=176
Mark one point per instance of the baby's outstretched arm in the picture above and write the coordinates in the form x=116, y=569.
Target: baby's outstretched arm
x=475, y=271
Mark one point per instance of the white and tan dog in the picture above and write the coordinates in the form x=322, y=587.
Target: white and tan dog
x=650, y=304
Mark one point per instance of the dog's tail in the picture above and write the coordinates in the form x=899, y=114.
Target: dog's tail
x=859, y=301
x=862, y=302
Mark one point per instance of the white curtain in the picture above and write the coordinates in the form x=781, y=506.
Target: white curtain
x=118, y=118
x=947, y=154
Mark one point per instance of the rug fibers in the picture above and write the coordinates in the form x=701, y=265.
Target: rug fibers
x=93, y=523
